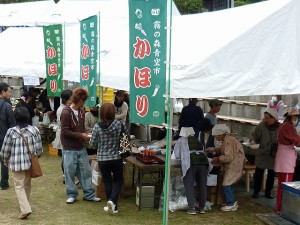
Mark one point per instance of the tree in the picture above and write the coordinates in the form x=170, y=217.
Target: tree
x=189, y=6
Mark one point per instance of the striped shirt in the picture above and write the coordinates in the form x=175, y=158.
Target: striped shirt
x=108, y=140
x=14, y=149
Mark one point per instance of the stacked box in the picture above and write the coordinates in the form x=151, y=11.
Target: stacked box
x=146, y=193
x=290, y=209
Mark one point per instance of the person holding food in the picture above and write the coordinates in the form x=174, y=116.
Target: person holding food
x=265, y=134
x=232, y=159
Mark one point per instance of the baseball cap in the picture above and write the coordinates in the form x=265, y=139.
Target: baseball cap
x=214, y=102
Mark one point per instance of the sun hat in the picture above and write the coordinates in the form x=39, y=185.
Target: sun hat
x=290, y=111
x=186, y=131
x=220, y=129
x=272, y=112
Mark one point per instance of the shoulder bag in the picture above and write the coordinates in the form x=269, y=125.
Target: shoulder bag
x=124, y=146
x=36, y=170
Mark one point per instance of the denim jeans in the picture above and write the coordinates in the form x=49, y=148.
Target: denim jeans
x=112, y=178
x=229, y=195
x=76, y=163
x=4, y=174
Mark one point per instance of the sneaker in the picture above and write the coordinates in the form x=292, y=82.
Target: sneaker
x=70, y=200
x=95, y=199
x=111, y=207
x=191, y=211
x=105, y=208
x=235, y=204
x=24, y=216
x=199, y=210
x=228, y=208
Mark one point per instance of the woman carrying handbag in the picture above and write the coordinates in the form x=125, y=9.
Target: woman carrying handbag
x=16, y=156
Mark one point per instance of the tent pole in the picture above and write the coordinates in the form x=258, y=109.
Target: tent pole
x=169, y=128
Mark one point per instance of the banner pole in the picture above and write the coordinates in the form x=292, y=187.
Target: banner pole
x=99, y=68
x=169, y=130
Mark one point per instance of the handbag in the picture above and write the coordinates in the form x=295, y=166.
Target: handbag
x=124, y=145
x=36, y=170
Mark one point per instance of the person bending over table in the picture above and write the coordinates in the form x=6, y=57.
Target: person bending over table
x=232, y=159
x=194, y=164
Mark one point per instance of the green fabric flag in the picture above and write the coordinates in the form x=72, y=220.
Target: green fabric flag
x=148, y=46
x=88, y=57
x=53, y=42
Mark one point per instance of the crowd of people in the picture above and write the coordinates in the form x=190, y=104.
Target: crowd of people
x=214, y=142
x=79, y=133
x=201, y=144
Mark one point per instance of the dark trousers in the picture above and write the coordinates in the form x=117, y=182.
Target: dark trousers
x=4, y=175
x=258, y=177
x=196, y=173
x=112, y=178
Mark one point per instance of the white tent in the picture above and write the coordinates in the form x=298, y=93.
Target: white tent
x=249, y=50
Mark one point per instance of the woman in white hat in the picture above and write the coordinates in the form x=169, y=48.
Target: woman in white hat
x=265, y=134
x=285, y=160
x=232, y=158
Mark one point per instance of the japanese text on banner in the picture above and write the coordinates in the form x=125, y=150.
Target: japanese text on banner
x=53, y=42
x=88, y=57
x=147, y=22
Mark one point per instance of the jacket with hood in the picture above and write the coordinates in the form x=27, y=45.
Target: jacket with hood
x=72, y=129
x=108, y=138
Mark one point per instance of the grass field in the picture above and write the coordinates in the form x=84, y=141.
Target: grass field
x=49, y=207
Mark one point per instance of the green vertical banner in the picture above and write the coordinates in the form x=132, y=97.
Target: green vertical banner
x=148, y=46
x=88, y=57
x=53, y=42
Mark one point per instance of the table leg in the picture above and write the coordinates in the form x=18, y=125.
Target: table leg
x=140, y=183
x=133, y=173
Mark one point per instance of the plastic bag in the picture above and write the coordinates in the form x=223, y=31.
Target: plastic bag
x=46, y=119
x=177, y=197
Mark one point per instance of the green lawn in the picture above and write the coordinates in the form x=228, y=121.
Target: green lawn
x=49, y=207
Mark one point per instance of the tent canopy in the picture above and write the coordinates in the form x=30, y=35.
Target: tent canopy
x=223, y=53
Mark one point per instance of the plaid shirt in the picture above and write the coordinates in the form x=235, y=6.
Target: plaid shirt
x=108, y=141
x=14, y=149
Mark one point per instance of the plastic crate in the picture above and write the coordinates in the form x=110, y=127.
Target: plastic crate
x=290, y=209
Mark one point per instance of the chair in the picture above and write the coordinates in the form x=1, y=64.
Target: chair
x=249, y=170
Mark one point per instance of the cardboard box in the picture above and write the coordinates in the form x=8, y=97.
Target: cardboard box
x=146, y=193
x=290, y=209
x=52, y=151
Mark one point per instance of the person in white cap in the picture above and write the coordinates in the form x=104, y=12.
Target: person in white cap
x=285, y=160
x=265, y=134
x=194, y=165
x=232, y=158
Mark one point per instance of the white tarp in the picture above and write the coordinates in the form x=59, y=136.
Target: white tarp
x=249, y=50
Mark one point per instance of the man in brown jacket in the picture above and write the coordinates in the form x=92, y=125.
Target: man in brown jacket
x=75, y=156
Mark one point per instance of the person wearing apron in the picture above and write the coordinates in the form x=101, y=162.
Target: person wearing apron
x=285, y=160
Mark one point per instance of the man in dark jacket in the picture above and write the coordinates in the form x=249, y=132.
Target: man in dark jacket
x=75, y=157
x=191, y=116
x=6, y=121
